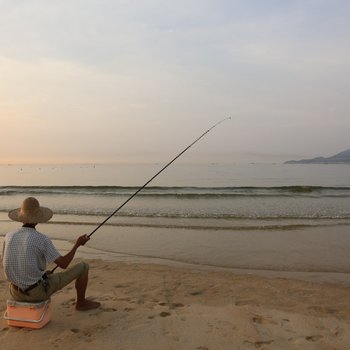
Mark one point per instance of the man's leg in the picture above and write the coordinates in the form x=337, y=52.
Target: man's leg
x=80, y=273
x=80, y=286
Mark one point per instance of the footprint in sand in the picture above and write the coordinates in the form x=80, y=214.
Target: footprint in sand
x=176, y=305
x=256, y=345
x=197, y=292
x=303, y=340
x=287, y=325
x=314, y=338
x=166, y=313
x=68, y=303
x=172, y=305
x=263, y=320
x=335, y=331
x=259, y=344
x=109, y=309
x=128, y=309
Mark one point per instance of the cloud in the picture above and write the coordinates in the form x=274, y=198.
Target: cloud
x=116, y=69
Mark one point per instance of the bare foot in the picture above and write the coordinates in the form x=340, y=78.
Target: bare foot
x=87, y=305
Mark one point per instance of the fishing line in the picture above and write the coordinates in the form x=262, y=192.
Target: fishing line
x=153, y=177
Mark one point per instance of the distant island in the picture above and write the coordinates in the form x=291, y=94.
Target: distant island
x=340, y=158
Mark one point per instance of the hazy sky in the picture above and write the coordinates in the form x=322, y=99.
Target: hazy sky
x=127, y=80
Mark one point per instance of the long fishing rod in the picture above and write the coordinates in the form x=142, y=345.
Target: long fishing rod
x=153, y=177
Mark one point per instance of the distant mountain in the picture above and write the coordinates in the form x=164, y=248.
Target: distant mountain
x=340, y=158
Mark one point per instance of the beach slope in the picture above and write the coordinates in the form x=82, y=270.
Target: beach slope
x=149, y=306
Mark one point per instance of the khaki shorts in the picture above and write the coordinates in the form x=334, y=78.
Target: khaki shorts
x=55, y=282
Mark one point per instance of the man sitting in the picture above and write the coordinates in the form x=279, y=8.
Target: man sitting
x=26, y=252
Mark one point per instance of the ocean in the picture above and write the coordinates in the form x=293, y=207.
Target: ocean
x=197, y=213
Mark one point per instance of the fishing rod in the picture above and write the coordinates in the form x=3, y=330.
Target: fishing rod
x=153, y=177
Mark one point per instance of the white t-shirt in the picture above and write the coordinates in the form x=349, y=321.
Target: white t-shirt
x=25, y=256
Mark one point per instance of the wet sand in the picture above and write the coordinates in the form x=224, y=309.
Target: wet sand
x=322, y=249
x=313, y=253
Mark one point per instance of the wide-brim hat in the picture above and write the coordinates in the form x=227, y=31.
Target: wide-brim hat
x=31, y=212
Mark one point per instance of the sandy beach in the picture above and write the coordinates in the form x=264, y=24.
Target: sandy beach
x=153, y=306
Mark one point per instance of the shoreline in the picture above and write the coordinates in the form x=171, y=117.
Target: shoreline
x=90, y=253
x=307, y=276
x=318, y=255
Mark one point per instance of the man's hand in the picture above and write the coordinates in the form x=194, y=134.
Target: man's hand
x=64, y=261
x=82, y=240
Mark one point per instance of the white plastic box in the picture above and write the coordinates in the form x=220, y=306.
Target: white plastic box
x=29, y=315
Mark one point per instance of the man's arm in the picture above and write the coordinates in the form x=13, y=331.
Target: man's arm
x=64, y=261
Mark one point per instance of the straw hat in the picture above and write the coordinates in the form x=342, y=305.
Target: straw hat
x=31, y=212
